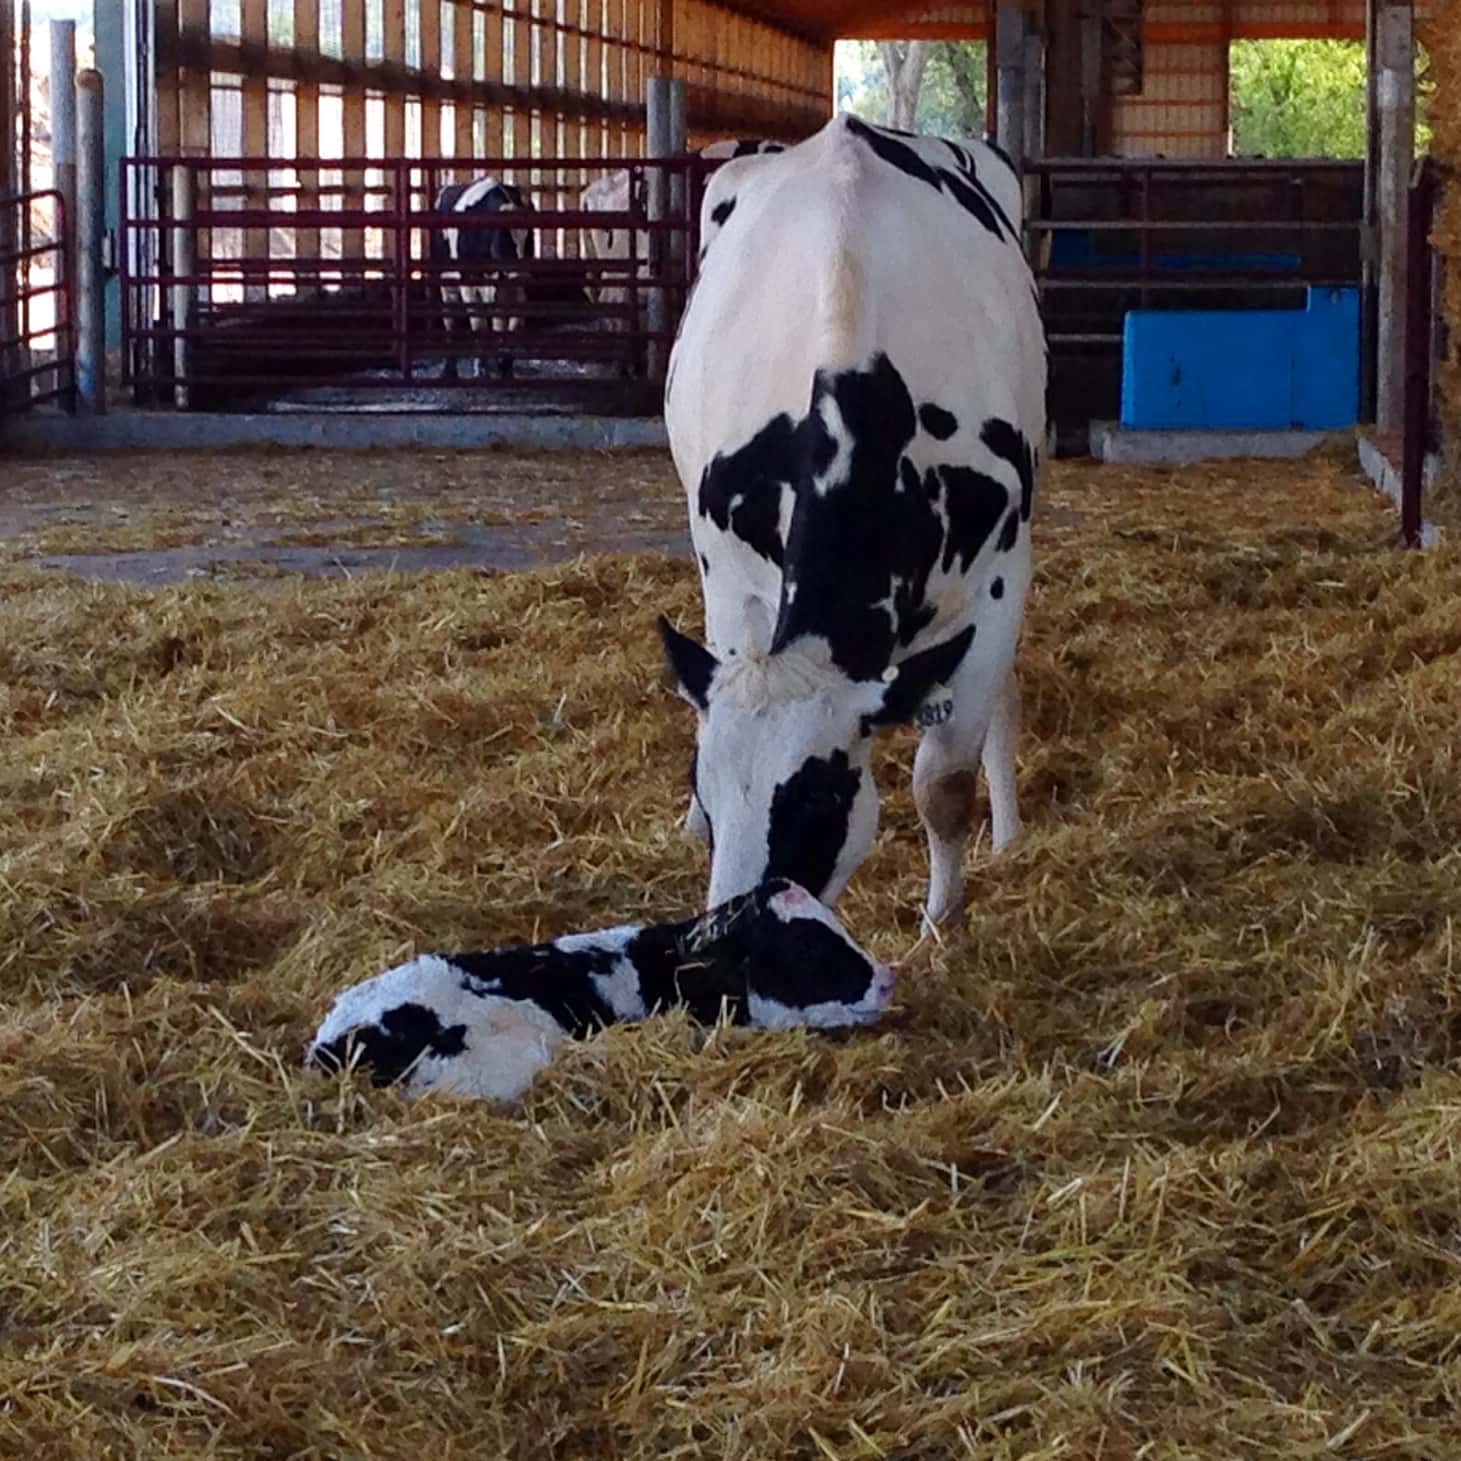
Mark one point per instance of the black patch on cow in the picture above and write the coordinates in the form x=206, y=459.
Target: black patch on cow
x=878, y=533
x=810, y=813
x=975, y=504
x=751, y=149
x=1011, y=534
x=486, y=245
x=960, y=183
x=741, y=492
x=704, y=564
x=939, y=424
x=996, y=589
x=391, y=1046
x=864, y=542
x=723, y=210
x=692, y=665
x=918, y=677
x=1009, y=444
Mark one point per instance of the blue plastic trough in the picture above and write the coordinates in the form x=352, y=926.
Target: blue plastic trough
x=1244, y=369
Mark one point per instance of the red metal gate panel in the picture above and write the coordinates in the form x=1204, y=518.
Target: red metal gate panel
x=37, y=353
x=234, y=294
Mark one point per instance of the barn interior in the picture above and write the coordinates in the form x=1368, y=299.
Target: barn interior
x=271, y=167
x=1155, y=1155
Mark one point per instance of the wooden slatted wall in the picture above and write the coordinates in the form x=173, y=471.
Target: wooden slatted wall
x=368, y=79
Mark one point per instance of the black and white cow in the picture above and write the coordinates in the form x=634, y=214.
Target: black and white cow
x=484, y=1024
x=487, y=288
x=854, y=405
x=610, y=194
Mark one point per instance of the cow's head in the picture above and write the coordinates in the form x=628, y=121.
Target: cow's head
x=781, y=783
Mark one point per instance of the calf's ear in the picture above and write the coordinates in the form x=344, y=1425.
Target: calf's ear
x=691, y=665
x=906, y=695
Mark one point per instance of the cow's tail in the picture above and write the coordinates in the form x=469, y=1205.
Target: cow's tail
x=843, y=305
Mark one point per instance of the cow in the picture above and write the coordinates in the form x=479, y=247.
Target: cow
x=485, y=280
x=484, y=1024
x=486, y=286
x=611, y=194
x=854, y=406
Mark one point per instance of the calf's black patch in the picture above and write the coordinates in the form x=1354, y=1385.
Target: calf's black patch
x=392, y=1046
x=723, y=210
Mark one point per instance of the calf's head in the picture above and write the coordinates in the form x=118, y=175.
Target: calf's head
x=783, y=957
x=781, y=786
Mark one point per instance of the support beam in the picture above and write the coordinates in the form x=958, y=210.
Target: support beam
x=1395, y=95
x=9, y=183
x=1009, y=47
x=133, y=90
x=63, y=138
x=91, y=365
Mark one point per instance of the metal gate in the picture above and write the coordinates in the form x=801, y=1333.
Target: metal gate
x=323, y=281
x=37, y=351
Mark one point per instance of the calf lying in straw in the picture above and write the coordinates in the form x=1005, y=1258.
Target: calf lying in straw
x=483, y=1024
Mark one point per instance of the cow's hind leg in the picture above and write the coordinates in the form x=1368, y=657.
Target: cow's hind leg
x=944, y=787
x=944, y=784
x=451, y=303
x=999, y=764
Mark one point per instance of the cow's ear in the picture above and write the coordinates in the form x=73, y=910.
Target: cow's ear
x=691, y=665
x=909, y=695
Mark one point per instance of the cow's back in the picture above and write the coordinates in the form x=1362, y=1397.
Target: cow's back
x=889, y=263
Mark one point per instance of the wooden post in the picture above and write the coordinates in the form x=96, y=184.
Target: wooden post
x=521, y=144
x=593, y=70
x=431, y=71
x=393, y=52
x=195, y=103
x=1395, y=94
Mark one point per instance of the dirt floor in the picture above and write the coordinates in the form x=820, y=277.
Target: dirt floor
x=1155, y=1157
x=154, y=517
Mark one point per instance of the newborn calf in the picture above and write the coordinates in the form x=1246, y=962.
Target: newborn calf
x=483, y=1024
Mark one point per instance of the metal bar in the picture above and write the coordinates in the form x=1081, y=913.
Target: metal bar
x=184, y=288
x=63, y=128
x=1420, y=207
x=90, y=303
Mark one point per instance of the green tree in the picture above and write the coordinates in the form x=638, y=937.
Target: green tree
x=950, y=100
x=1303, y=99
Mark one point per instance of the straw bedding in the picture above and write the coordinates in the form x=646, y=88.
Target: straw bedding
x=1156, y=1157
